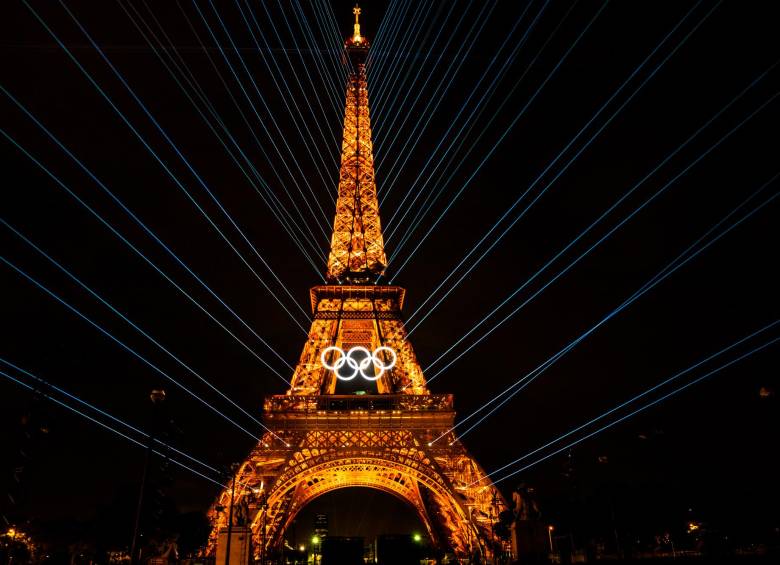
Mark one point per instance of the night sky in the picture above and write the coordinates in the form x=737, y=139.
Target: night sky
x=709, y=449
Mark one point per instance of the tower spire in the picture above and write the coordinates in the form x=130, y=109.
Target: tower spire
x=356, y=35
x=357, y=253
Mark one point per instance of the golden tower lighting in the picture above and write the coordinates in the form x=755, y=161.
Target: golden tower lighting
x=379, y=438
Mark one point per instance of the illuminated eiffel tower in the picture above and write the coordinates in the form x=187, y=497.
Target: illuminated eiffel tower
x=359, y=412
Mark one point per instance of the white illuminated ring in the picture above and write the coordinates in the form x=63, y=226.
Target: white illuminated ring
x=380, y=363
x=360, y=366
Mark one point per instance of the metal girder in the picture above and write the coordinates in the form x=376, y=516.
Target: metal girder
x=357, y=250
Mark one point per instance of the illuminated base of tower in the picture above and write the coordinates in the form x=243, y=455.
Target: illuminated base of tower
x=376, y=441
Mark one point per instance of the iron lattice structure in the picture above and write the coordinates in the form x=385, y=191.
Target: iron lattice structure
x=326, y=441
x=357, y=248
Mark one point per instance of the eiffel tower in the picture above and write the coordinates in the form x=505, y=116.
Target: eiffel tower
x=328, y=432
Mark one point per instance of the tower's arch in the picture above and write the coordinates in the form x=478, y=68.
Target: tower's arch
x=371, y=473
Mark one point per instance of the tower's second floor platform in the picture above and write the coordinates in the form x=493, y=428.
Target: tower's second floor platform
x=329, y=411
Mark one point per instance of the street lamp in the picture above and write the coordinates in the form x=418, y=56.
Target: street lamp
x=233, y=471
x=417, y=538
x=264, y=510
x=550, y=529
x=157, y=396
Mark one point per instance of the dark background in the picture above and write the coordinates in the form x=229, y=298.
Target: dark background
x=706, y=454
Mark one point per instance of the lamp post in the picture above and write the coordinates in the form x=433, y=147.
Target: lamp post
x=550, y=529
x=263, y=509
x=493, y=519
x=234, y=470
x=157, y=396
x=315, y=540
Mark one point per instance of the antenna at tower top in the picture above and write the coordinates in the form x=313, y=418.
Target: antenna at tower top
x=356, y=35
x=357, y=45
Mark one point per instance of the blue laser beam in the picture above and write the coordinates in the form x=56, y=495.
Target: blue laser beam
x=388, y=115
x=113, y=230
x=193, y=171
x=607, y=212
x=389, y=35
x=261, y=98
x=388, y=38
x=295, y=115
x=67, y=394
x=314, y=89
x=381, y=30
x=641, y=409
x=564, y=150
x=111, y=429
x=156, y=156
x=609, y=234
x=270, y=161
x=657, y=279
x=506, y=132
x=667, y=271
x=331, y=82
x=389, y=63
x=275, y=206
x=633, y=399
x=124, y=317
x=459, y=140
x=381, y=95
x=333, y=67
x=328, y=24
x=452, y=70
x=129, y=349
x=332, y=59
x=478, y=108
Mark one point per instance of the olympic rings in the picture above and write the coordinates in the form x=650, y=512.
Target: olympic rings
x=360, y=365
